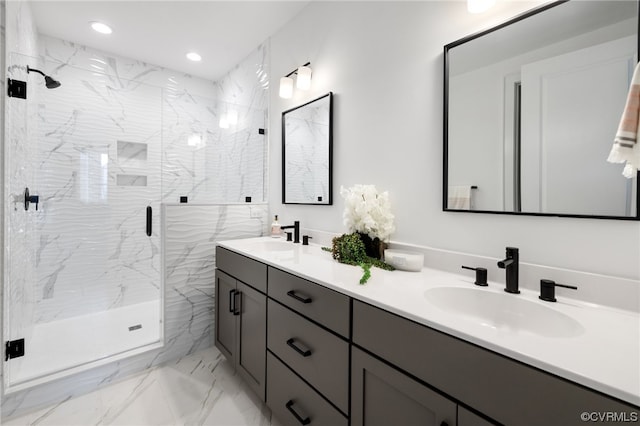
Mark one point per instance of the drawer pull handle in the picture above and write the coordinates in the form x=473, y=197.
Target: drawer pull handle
x=304, y=421
x=303, y=352
x=293, y=294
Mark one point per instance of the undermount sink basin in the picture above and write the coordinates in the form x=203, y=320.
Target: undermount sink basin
x=504, y=312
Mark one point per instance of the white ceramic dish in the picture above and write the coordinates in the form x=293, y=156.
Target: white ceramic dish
x=404, y=260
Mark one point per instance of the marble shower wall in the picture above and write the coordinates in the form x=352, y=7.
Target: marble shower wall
x=98, y=140
x=214, y=151
x=248, y=82
x=212, y=147
x=117, y=136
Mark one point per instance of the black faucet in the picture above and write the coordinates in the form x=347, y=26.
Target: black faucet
x=296, y=230
x=510, y=265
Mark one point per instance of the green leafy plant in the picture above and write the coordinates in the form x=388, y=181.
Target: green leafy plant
x=350, y=249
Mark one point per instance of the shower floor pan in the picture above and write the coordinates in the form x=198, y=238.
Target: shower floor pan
x=60, y=348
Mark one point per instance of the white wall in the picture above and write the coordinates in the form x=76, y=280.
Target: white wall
x=383, y=61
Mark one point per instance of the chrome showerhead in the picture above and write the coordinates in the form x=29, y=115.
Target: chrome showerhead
x=50, y=82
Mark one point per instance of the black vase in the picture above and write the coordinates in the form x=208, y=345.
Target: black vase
x=373, y=247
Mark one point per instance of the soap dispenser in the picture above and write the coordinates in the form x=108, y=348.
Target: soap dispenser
x=276, y=229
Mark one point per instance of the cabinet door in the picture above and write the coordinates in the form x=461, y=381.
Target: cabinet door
x=252, y=337
x=382, y=396
x=225, y=325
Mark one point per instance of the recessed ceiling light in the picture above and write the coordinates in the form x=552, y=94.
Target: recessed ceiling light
x=101, y=28
x=193, y=56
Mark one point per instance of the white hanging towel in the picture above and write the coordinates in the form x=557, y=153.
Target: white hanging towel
x=625, y=146
x=459, y=197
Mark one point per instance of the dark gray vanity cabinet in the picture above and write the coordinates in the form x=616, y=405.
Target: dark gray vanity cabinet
x=319, y=357
x=308, y=351
x=382, y=395
x=241, y=316
x=501, y=388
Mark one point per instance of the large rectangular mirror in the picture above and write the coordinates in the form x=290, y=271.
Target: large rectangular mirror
x=531, y=108
x=307, y=146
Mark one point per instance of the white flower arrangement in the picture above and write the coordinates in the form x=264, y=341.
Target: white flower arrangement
x=368, y=212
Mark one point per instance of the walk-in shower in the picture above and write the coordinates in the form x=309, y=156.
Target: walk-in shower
x=83, y=282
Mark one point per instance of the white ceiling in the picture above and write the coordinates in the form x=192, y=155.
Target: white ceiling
x=162, y=32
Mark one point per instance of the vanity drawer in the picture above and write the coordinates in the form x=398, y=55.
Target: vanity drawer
x=321, y=304
x=320, y=357
x=499, y=387
x=242, y=268
x=292, y=401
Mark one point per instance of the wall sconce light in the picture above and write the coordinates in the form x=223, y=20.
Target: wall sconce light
x=303, y=81
x=479, y=6
x=286, y=87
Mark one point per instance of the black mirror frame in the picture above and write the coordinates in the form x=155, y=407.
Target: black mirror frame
x=445, y=153
x=330, y=183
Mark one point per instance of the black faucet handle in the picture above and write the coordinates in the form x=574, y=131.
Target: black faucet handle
x=305, y=240
x=548, y=290
x=289, y=236
x=481, y=275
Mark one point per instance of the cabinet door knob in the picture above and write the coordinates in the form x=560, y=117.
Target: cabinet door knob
x=302, y=420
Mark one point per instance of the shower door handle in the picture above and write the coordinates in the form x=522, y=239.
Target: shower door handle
x=28, y=199
x=149, y=220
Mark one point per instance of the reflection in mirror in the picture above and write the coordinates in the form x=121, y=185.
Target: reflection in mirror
x=307, y=145
x=531, y=110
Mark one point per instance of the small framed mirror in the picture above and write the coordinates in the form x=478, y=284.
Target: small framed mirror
x=307, y=149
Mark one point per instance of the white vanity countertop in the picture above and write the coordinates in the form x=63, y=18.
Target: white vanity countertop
x=604, y=356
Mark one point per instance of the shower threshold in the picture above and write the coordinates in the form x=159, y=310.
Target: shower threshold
x=60, y=348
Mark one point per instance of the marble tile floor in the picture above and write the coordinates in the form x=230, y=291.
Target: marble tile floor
x=200, y=389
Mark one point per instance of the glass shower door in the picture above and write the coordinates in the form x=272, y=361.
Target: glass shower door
x=83, y=283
